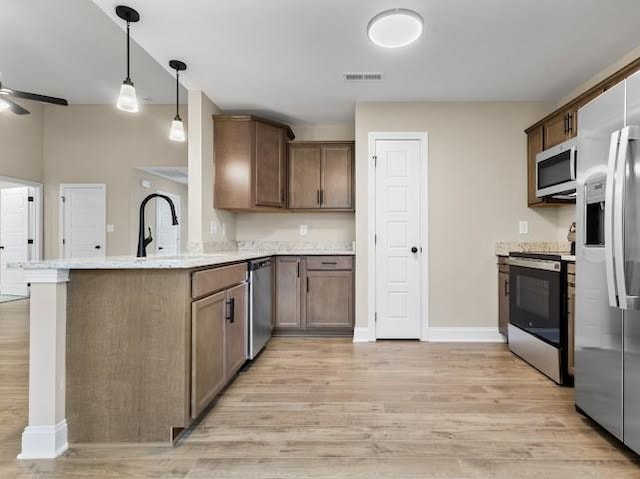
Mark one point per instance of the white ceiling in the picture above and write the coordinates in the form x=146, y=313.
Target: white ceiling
x=285, y=58
x=71, y=49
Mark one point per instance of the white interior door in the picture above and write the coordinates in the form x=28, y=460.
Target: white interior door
x=167, y=235
x=398, y=230
x=14, y=239
x=84, y=221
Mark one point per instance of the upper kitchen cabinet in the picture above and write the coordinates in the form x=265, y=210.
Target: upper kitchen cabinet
x=560, y=127
x=249, y=163
x=321, y=176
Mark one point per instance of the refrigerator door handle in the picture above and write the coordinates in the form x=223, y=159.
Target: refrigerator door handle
x=630, y=133
x=608, y=220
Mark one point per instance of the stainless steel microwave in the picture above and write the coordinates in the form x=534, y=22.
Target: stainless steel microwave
x=556, y=170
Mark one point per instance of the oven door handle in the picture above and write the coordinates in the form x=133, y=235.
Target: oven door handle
x=609, y=207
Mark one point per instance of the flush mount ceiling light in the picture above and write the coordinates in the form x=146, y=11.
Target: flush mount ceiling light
x=395, y=28
x=177, y=128
x=127, y=100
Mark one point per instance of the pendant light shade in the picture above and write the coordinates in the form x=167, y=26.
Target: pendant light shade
x=127, y=100
x=177, y=132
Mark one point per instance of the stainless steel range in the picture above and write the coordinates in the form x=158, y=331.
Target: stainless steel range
x=537, y=312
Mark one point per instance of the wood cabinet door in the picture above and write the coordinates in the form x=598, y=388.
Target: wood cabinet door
x=304, y=176
x=336, y=177
x=269, y=167
x=559, y=128
x=329, y=299
x=207, y=350
x=503, y=303
x=235, y=336
x=534, y=146
x=288, y=292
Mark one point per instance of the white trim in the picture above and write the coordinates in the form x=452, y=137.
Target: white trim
x=63, y=186
x=423, y=138
x=465, y=335
x=47, y=275
x=44, y=442
x=362, y=335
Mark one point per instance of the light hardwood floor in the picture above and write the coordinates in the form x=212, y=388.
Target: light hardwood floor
x=325, y=408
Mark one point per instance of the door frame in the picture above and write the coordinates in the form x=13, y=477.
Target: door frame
x=64, y=186
x=423, y=138
x=178, y=212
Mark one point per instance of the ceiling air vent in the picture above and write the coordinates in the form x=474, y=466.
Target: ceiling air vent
x=362, y=76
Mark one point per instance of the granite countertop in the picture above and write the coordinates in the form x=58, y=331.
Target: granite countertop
x=169, y=262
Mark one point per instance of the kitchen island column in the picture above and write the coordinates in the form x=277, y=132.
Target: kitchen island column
x=46, y=435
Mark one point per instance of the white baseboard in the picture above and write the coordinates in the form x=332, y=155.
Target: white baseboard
x=361, y=335
x=44, y=442
x=465, y=335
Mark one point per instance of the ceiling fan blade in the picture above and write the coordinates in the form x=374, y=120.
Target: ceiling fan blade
x=36, y=97
x=14, y=107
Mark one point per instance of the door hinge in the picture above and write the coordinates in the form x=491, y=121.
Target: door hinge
x=30, y=199
x=63, y=199
x=64, y=241
x=375, y=239
x=375, y=317
x=29, y=241
x=375, y=160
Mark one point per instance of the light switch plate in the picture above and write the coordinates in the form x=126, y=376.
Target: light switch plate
x=523, y=227
x=110, y=228
x=304, y=230
x=146, y=184
x=213, y=228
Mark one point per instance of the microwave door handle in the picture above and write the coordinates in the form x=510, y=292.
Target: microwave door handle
x=572, y=163
x=608, y=220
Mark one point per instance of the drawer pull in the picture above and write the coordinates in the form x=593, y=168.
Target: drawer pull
x=332, y=263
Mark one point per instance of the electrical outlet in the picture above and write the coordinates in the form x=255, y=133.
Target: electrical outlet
x=523, y=227
x=304, y=230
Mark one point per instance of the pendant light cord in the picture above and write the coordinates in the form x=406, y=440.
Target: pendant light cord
x=177, y=93
x=128, y=41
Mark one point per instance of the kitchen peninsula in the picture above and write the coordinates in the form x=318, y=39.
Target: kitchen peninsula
x=133, y=350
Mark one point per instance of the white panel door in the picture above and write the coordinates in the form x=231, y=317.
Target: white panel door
x=84, y=221
x=398, y=227
x=167, y=234
x=14, y=237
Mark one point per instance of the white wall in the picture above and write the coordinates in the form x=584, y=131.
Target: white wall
x=477, y=195
x=286, y=226
x=21, y=143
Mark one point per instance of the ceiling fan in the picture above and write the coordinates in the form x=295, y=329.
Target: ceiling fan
x=6, y=103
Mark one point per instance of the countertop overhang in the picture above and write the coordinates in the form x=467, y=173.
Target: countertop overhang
x=168, y=262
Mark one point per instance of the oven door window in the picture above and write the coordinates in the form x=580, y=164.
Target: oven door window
x=535, y=303
x=555, y=170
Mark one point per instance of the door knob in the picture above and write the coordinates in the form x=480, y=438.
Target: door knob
x=97, y=246
x=414, y=249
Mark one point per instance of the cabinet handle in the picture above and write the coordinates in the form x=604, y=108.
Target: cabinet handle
x=329, y=263
x=506, y=289
x=321, y=197
x=231, y=310
x=282, y=195
x=298, y=269
x=565, y=123
x=307, y=284
x=569, y=123
x=318, y=197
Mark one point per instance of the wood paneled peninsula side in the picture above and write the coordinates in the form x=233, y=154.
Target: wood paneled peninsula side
x=132, y=350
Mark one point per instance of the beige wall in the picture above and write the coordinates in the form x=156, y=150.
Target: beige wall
x=477, y=195
x=21, y=143
x=286, y=226
x=208, y=225
x=100, y=144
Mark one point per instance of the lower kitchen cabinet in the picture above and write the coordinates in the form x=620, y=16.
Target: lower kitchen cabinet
x=288, y=292
x=503, y=295
x=314, y=295
x=571, y=317
x=207, y=350
x=329, y=299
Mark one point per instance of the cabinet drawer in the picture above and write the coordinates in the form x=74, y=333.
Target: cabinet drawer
x=216, y=279
x=329, y=263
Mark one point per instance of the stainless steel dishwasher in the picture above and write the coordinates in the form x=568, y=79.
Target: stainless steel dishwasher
x=260, y=305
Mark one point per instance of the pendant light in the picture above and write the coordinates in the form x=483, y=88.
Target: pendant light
x=177, y=128
x=127, y=100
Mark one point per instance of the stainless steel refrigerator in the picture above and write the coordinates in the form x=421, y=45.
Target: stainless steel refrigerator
x=607, y=372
